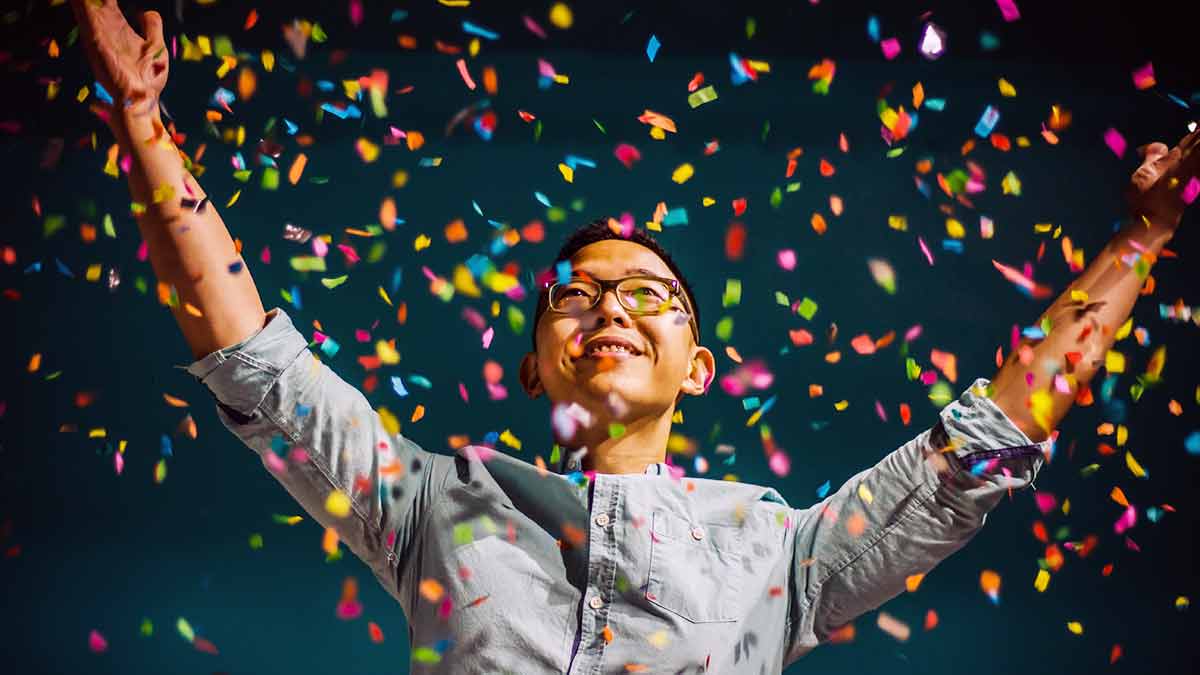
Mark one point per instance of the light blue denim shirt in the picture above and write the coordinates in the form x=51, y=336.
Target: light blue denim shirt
x=529, y=570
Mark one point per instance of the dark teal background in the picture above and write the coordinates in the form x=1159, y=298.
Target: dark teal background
x=86, y=549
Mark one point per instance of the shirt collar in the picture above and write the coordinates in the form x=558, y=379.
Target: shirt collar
x=569, y=462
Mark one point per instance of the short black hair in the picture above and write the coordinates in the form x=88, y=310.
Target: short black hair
x=601, y=230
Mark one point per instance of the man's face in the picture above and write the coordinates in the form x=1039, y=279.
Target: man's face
x=661, y=359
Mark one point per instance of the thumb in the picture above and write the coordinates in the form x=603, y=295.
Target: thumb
x=1152, y=151
x=152, y=29
x=1147, y=174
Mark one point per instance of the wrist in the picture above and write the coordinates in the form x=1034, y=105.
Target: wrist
x=1148, y=234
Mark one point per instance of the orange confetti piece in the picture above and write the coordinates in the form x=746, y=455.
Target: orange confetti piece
x=818, y=223
x=607, y=634
x=418, y=413
x=35, y=362
x=905, y=414
x=297, y=168
x=912, y=582
x=466, y=76
x=456, y=231
x=931, y=620
x=826, y=168
x=414, y=139
x=1118, y=496
x=491, y=83
x=431, y=589
x=175, y=402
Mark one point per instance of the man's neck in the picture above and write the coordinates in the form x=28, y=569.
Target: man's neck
x=644, y=442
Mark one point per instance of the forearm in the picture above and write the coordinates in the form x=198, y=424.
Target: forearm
x=190, y=248
x=1081, y=330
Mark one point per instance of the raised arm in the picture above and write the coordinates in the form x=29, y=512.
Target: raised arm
x=190, y=249
x=318, y=436
x=1040, y=381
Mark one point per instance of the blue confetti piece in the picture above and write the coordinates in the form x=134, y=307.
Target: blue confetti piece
x=497, y=224
x=935, y=104
x=398, y=386
x=766, y=407
x=676, y=216
x=475, y=205
x=291, y=127
x=484, y=132
x=1154, y=514
x=498, y=246
x=334, y=110
x=278, y=445
x=652, y=47
x=426, y=162
x=1178, y=101
x=491, y=437
x=545, y=201
x=295, y=293
x=988, y=41
x=399, y=15
x=37, y=267
x=1192, y=443
x=987, y=122
x=102, y=93
x=1033, y=332
x=978, y=468
x=223, y=96
x=325, y=85
x=63, y=269
x=575, y=161
x=873, y=28
x=397, y=278
x=420, y=381
x=164, y=446
x=330, y=347
x=478, y=265
x=562, y=270
x=750, y=403
x=235, y=267
x=738, y=74
x=953, y=245
x=267, y=160
x=474, y=29
x=823, y=490
x=443, y=645
x=303, y=410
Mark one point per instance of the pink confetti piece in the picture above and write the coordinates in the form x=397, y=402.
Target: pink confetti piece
x=787, y=259
x=890, y=47
x=1115, y=141
x=466, y=77
x=1061, y=385
x=928, y=377
x=912, y=333
x=274, y=463
x=356, y=13
x=1191, y=191
x=462, y=393
x=96, y=642
x=533, y=27
x=1127, y=520
x=319, y=247
x=265, y=256
x=487, y=337
x=362, y=335
x=348, y=610
x=1008, y=10
x=627, y=154
x=143, y=252
x=119, y=462
x=925, y=250
x=780, y=463
x=1045, y=502
x=1143, y=78
x=880, y=411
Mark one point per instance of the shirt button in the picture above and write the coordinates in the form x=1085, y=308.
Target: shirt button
x=596, y=602
x=602, y=520
x=697, y=533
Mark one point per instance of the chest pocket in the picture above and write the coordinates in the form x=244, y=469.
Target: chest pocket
x=695, y=569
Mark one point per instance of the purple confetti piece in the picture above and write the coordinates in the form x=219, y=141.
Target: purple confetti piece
x=1115, y=141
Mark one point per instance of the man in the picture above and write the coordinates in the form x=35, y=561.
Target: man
x=606, y=561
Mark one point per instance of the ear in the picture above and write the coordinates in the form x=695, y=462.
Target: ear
x=700, y=372
x=529, y=377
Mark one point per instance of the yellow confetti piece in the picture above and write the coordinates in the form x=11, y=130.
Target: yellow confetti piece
x=383, y=294
x=864, y=493
x=390, y=422
x=1182, y=602
x=658, y=639
x=1123, y=331
x=233, y=199
x=422, y=242
x=955, y=229
x=1006, y=88
x=337, y=504
x=682, y=173
x=510, y=440
x=98, y=433
x=841, y=405
x=1079, y=296
x=561, y=16
x=899, y=223
x=1041, y=581
x=568, y=173
x=707, y=202
x=1122, y=434
x=1135, y=468
x=1114, y=362
x=1075, y=627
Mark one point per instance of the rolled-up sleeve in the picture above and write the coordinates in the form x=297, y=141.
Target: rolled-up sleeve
x=854, y=550
x=320, y=438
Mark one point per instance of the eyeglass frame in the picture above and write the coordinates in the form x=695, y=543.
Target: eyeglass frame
x=611, y=284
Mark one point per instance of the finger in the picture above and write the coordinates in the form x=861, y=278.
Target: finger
x=1152, y=151
x=152, y=29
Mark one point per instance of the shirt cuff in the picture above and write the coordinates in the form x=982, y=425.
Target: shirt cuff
x=983, y=438
x=240, y=376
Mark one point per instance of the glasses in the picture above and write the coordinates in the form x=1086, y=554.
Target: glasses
x=643, y=294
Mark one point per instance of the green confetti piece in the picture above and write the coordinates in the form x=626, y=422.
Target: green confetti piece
x=256, y=541
x=242, y=175
x=616, y=430
x=725, y=328
x=140, y=284
x=940, y=393
x=185, y=629
x=599, y=126
x=335, y=281
x=776, y=197
x=516, y=320
x=147, y=628
x=318, y=33
x=426, y=655
x=781, y=298
x=307, y=263
x=821, y=86
x=537, y=131
x=53, y=223
x=702, y=96
x=895, y=152
x=792, y=187
x=765, y=130
x=223, y=46
x=807, y=308
x=463, y=534
x=733, y=293
x=270, y=179
x=911, y=369
x=751, y=27
x=110, y=230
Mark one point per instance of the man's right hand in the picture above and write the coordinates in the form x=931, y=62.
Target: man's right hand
x=131, y=67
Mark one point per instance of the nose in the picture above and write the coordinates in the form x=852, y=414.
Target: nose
x=608, y=310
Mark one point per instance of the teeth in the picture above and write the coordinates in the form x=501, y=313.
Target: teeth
x=608, y=349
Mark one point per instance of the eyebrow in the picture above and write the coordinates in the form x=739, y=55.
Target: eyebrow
x=629, y=270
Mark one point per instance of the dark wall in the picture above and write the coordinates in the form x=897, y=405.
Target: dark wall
x=86, y=549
